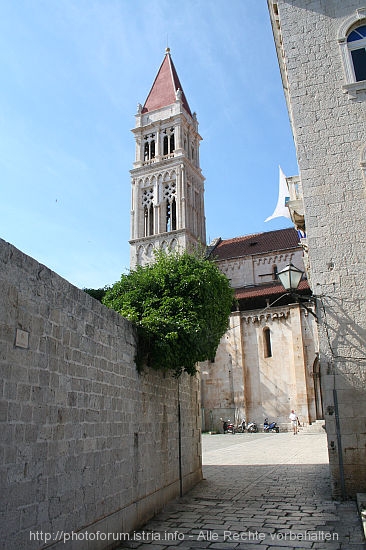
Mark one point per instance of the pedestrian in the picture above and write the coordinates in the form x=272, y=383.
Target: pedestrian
x=294, y=421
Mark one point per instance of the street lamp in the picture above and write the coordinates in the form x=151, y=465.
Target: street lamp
x=290, y=277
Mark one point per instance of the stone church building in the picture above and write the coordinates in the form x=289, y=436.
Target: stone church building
x=267, y=362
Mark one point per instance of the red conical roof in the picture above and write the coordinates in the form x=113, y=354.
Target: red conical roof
x=165, y=85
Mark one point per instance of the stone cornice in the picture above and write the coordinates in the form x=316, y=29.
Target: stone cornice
x=266, y=316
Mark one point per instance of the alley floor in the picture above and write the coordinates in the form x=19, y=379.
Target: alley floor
x=260, y=491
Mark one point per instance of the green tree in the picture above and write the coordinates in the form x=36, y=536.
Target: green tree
x=98, y=293
x=180, y=305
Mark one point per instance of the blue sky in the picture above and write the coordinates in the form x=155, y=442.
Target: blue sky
x=72, y=74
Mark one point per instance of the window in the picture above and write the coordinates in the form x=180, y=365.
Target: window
x=165, y=145
x=352, y=43
x=172, y=143
x=171, y=215
x=168, y=142
x=169, y=194
x=149, y=147
x=356, y=42
x=146, y=151
x=274, y=273
x=148, y=206
x=267, y=342
x=149, y=220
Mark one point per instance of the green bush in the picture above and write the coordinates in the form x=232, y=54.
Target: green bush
x=98, y=293
x=180, y=305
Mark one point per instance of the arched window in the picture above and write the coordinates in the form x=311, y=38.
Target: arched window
x=352, y=43
x=146, y=151
x=148, y=206
x=274, y=273
x=165, y=145
x=169, y=191
x=149, y=147
x=267, y=342
x=172, y=143
x=171, y=215
x=168, y=141
x=356, y=43
x=149, y=220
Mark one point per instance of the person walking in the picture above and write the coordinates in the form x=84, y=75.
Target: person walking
x=294, y=420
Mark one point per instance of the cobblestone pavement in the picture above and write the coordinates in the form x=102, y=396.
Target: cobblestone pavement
x=260, y=491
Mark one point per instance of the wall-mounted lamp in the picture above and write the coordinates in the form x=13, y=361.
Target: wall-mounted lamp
x=290, y=278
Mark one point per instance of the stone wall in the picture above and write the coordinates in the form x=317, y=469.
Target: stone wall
x=327, y=112
x=87, y=444
x=243, y=383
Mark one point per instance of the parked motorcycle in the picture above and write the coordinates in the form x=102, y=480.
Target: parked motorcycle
x=270, y=427
x=228, y=426
x=241, y=427
x=252, y=427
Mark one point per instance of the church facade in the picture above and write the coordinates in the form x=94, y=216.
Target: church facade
x=267, y=362
x=321, y=49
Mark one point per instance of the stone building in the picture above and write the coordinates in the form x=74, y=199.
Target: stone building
x=267, y=362
x=321, y=48
x=167, y=182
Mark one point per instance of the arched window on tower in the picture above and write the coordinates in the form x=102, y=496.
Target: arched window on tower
x=148, y=206
x=148, y=220
x=149, y=147
x=274, y=273
x=171, y=215
x=168, y=141
x=170, y=206
x=146, y=151
x=165, y=145
x=356, y=43
x=267, y=342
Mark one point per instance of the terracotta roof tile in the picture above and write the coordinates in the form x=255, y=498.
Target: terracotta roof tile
x=268, y=289
x=165, y=85
x=258, y=243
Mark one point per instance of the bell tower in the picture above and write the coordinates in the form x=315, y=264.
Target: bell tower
x=167, y=182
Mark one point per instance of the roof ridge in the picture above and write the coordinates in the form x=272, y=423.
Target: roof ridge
x=266, y=242
x=292, y=229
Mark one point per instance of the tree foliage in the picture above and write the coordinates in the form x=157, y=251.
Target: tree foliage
x=180, y=305
x=97, y=293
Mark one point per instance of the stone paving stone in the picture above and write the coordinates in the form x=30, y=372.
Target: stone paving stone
x=243, y=495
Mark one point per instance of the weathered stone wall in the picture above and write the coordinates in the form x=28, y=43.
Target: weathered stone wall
x=86, y=443
x=257, y=268
x=244, y=383
x=327, y=112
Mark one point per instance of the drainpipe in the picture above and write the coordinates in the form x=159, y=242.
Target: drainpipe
x=339, y=444
x=180, y=446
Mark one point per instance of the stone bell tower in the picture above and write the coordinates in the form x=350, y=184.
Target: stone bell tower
x=167, y=182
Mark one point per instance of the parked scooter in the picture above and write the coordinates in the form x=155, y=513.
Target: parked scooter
x=252, y=427
x=228, y=426
x=270, y=427
x=241, y=427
